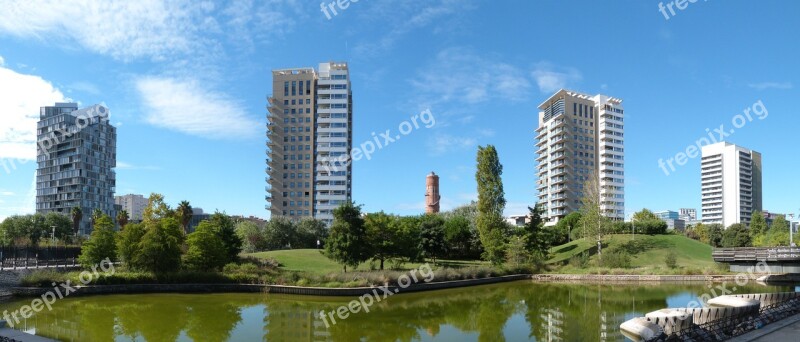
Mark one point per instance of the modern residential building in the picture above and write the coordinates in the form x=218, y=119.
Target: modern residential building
x=730, y=183
x=580, y=136
x=518, y=220
x=667, y=215
x=133, y=204
x=675, y=224
x=310, y=136
x=198, y=215
x=770, y=217
x=688, y=214
x=76, y=156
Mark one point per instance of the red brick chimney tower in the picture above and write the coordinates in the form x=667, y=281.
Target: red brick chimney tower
x=432, y=194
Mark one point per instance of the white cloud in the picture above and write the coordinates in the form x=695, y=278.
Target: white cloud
x=127, y=166
x=550, y=78
x=20, y=98
x=444, y=143
x=771, y=85
x=86, y=87
x=186, y=106
x=2, y=61
x=6, y=193
x=460, y=75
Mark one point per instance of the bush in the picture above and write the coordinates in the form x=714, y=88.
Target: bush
x=206, y=249
x=580, y=260
x=616, y=259
x=671, y=260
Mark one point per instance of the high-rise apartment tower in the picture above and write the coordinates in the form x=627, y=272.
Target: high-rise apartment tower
x=730, y=183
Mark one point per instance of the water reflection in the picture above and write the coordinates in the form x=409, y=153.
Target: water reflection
x=504, y=312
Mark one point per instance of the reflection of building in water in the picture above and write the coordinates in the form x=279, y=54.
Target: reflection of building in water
x=291, y=323
x=553, y=322
x=55, y=326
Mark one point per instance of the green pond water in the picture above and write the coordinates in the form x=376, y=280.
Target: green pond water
x=516, y=311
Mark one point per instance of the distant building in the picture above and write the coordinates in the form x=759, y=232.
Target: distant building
x=197, y=216
x=678, y=224
x=432, y=196
x=518, y=220
x=687, y=214
x=667, y=215
x=730, y=183
x=133, y=204
x=770, y=217
x=76, y=156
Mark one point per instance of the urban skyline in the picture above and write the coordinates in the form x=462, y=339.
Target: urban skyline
x=482, y=89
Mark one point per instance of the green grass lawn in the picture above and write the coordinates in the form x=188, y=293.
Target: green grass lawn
x=690, y=254
x=312, y=261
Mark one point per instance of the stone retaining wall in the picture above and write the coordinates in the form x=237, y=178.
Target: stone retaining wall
x=234, y=288
x=631, y=278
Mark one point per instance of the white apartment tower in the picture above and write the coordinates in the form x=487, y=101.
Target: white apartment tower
x=133, y=204
x=580, y=136
x=730, y=183
x=310, y=136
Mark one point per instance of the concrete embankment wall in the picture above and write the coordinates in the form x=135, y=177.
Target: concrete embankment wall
x=632, y=278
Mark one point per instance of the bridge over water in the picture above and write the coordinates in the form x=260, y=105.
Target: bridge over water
x=760, y=259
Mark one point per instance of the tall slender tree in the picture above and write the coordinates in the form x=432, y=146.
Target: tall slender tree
x=593, y=223
x=184, y=214
x=491, y=203
x=77, y=216
x=123, y=218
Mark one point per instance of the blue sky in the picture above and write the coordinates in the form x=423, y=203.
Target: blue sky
x=187, y=83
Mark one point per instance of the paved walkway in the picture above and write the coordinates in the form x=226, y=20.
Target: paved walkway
x=22, y=337
x=787, y=330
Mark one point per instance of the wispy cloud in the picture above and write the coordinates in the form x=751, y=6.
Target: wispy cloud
x=551, y=78
x=771, y=85
x=127, y=166
x=186, y=106
x=445, y=143
x=22, y=96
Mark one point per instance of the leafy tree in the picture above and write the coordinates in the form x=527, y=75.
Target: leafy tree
x=280, y=233
x=652, y=227
x=382, y=236
x=96, y=215
x=491, y=202
x=123, y=218
x=671, y=259
x=156, y=209
x=347, y=242
x=593, y=223
x=160, y=248
x=758, y=225
x=62, y=223
x=408, y=232
x=644, y=215
x=736, y=235
x=537, y=239
x=252, y=236
x=101, y=243
x=310, y=230
x=516, y=252
x=715, y=234
x=77, y=215
x=14, y=229
x=184, y=215
x=431, y=236
x=36, y=229
x=778, y=233
x=225, y=229
x=206, y=249
x=128, y=241
x=702, y=233
x=458, y=236
x=566, y=226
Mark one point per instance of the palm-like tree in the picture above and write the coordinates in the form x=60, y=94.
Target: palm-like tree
x=96, y=215
x=123, y=218
x=77, y=216
x=184, y=214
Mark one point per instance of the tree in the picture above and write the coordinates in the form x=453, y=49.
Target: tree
x=156, y=209
x=778, y=233
x=516, y=252
x=36, y=229
x=160, y=247
x=96, y=215
x=593, y=223
x=309, y=231
x=644, y=215
x=702, y=233
x=62, y=223
x=280, y=233
x=206, y=249
x=537, y=239
x=758, y=225
x=736, y=235
x=14, y=229
x=491, y=203
x=101, y=243
x=252, y=236
x=128, y=241
x=225, y=229
x=715, y=234
x=123, y=218
x=77, y=216
x=567, y=225
x=382, y=236
x=431, y=236
x=184, y=215
x=458, y=236
x=347, y=241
